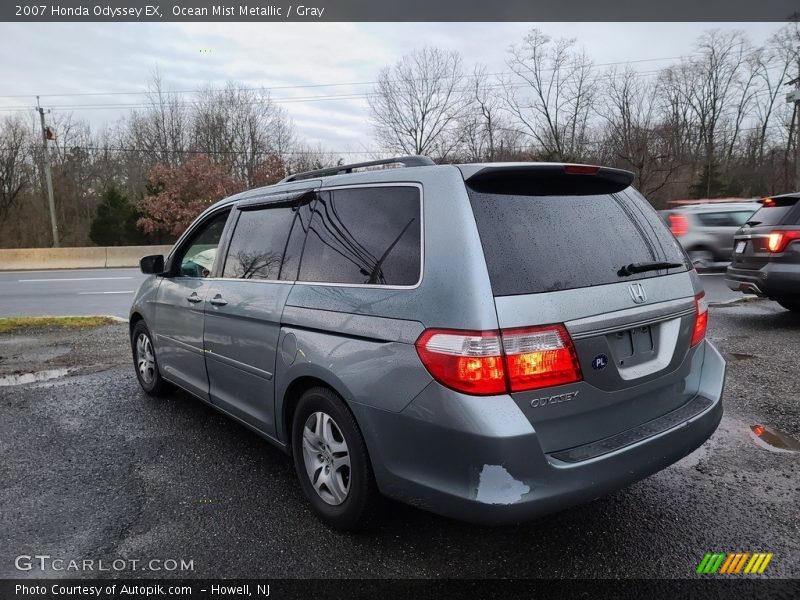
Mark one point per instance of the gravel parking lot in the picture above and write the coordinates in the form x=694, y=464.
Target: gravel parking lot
x=93, y=468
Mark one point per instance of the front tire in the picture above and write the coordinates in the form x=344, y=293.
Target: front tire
x=791, y=304
x=331, y=460
x=144, y=361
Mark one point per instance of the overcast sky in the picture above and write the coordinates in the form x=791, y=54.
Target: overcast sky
x=68, y=58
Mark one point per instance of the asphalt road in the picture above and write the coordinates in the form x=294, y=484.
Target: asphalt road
x=68, y=292
x=110, y=292
x=93, y=468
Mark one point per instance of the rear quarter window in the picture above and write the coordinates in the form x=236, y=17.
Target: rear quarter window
x=365, y=236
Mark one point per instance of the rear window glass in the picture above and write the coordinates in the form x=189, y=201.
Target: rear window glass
x=538, y=244
x=774, y=215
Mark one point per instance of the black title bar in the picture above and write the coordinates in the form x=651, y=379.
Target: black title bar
x=406, y=10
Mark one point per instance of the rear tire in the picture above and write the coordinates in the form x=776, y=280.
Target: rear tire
x=332, y=462
x=144, y=361
x=791, y=304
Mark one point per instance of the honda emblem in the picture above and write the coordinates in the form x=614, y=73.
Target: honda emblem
x=637, y=293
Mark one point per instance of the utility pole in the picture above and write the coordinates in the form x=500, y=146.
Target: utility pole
x=795, y=98
x=48, y=177
x=797, y=135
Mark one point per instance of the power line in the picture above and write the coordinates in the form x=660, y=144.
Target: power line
x=303, y=86
x=289, y=100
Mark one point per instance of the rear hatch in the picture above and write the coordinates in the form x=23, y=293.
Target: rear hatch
x=778, y=218
x=558, y=242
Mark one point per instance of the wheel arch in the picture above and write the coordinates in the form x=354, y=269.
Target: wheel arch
x=300, y=384
x=134, y=319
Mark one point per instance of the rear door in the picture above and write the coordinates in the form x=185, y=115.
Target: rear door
x=555, y=248
x=244, y=307
x=751, y=243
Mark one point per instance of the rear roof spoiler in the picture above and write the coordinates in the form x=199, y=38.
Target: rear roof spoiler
x=545, y=179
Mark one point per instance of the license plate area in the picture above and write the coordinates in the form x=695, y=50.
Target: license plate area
x=740, y=246
x=632, y=346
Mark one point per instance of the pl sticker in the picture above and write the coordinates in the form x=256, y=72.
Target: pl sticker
x=599, y=362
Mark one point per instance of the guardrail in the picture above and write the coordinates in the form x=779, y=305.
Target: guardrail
x=27, y=259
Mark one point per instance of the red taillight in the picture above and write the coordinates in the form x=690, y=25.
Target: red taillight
x=678, y=224
x=778, y=240
x=494, y=362
x=581, y=169
x=467, y=361
x=540, y=357
x=700, y=318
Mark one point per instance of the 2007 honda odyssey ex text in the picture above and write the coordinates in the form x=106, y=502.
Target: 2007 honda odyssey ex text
x=491, y=342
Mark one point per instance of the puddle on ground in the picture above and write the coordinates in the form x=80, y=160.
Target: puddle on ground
x=21, y=378
x=773, y=439
x=35, y=355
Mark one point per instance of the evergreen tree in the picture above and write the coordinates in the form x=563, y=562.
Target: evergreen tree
x=115, y=221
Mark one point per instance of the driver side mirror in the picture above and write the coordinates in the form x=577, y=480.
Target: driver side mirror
x=152, y=265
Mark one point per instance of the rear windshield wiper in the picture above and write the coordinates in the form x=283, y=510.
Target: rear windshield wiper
x=751, y=223
x=643, y=267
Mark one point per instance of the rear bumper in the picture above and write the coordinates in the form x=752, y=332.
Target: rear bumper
x=773, y=280
x=492, y=470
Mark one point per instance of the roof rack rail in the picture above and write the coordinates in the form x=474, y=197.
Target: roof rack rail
x=406, y=161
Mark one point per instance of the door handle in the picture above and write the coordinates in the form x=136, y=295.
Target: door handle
x=218, y=301
x=194, y=298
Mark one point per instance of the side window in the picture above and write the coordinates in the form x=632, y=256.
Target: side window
x=715, y=219
x=258, y=245
x=198, y=257
x=368, y=236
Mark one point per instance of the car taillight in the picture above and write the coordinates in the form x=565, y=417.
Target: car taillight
x=700, y=318
x=467, y=361
x=679, y=225
x=778, y=240
x=495, y=362
x=540, y=357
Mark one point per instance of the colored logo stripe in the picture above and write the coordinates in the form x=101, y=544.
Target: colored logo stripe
x=734, y=563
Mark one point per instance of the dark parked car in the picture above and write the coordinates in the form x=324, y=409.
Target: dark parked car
x=766, y=254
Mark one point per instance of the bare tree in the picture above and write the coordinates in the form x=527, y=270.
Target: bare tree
x=777, y=60
x=550, y=93
x=308, y=157
x=238, y=127
x=15, y=163
x=633, y=137
x=417, y=103
x=483, y=121
x=161, y=130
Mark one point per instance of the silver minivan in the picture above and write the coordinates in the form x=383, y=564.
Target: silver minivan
x=491, y=342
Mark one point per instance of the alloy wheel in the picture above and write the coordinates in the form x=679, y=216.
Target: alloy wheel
x=326, y=458
x=145, y=359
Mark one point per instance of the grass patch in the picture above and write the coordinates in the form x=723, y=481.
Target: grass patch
x=9, y=324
